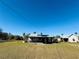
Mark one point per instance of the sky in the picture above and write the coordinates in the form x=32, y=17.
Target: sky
x=47, y=16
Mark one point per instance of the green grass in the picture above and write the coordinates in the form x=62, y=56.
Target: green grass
x=19, y=50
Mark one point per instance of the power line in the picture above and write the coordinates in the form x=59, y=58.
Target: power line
x=13, y=10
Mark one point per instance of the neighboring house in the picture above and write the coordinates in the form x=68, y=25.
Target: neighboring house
x=73, y=38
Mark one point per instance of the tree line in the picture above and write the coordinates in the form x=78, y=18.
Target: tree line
x=9, y=36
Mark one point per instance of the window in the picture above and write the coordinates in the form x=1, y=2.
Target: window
x=73, y=39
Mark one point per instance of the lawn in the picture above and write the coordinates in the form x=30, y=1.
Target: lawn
x=19, y=50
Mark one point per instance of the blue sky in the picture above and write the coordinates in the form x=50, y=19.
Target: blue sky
x=47, y=16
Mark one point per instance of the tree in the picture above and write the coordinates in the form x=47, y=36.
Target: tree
x=41, y=33
x=17, y=37
x=0, y=35
x=0, y=30
x=34, y=32
x=24, y=34
x=10, y=36
x=62, y=34
x=76, y=33
x=5, y=36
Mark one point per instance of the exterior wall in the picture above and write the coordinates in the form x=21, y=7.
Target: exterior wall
x=59, y=39
x=34, y=39
x=73, y=38
x=29, y=40
x=40, y=39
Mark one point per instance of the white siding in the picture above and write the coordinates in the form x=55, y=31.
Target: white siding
x=29, y=39
x=59, y=39
x=73, y=38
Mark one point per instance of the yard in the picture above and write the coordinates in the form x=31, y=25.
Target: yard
x=19, y=50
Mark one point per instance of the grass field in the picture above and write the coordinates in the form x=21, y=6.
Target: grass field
x=19, y=50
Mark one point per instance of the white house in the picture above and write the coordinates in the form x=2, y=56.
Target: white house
x=34, y=37
x=73, y=38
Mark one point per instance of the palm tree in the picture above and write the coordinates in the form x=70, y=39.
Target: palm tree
x=41, y=33
x=26, y=37
x=76, y=33
x=62, y=39
x=62, y=34
x=24, y=34
x=34, y=32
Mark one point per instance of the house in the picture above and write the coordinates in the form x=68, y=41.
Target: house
x=73, y=38
x=34, y=37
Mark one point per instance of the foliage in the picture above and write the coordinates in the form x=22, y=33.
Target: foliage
x=0, y=30
x=9, y=36
x=17, y=37
x=3, y=35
